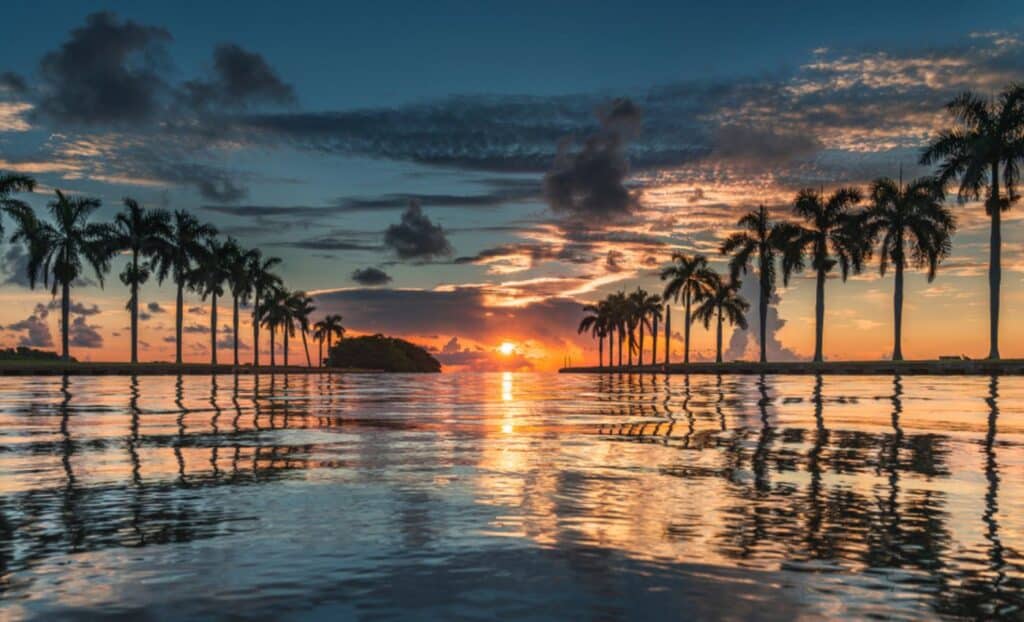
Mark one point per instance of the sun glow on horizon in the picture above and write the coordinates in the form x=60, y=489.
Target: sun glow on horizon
x=507, y=348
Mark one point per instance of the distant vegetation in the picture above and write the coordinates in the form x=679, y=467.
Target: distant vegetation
x=381, y=353
x=21, y=353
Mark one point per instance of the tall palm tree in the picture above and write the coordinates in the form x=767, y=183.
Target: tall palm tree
x=724, y=304
x=984, y=150
x=301, y=307
x=618, y=317
x=273, y=314
x=915, y=228
x=646, y=306
x=186, y=244
x=145, y=234
x=760, y=237
x=830, y=237
x=320, y=334
x=207, y=279
x=237, y=261
x=332, y=328
x=692, y=279
x=58, y=252
x=263, y=281
x=596, y=323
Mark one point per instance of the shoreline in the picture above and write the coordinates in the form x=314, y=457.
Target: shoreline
x=82, y=368
x=1006, y=367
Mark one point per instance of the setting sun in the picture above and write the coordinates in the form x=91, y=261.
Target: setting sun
x=507, y=348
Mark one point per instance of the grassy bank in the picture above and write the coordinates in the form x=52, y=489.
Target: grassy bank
x=57, y=368
x=847, y=368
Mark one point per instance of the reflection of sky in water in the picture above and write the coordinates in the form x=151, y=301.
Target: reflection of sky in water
x=512, y=495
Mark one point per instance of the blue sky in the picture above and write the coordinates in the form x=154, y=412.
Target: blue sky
x=325, y=120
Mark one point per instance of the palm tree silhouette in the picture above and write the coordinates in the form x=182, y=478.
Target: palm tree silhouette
x=207, y=279
x=57, y=251
x=690, y=278
x=593, y=323
x=9, y=184
x=144, y=233
x=646, y=306
x=831, y=237
x=273, y=314
x=301, y=307
x=985, y=143
x=320, y=334
x=236, y=261
x=618, y=317
x=186, y=245
x=913, y=225
x=723, y=303
x=263, y=281
x=331, y=327
x=764, y=239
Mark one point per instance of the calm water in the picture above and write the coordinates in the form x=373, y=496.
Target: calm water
x=511, y=496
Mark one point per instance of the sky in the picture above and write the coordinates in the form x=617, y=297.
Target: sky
x=467, y=175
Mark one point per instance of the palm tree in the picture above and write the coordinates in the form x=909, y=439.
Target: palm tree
x=56, y=251
x=762, y=238
x=618, y=318
x=646, y=306
x=301, y=307
x=10, y=184
x=273, y=314
x=320, y=334
x=144, y=233
x=186, y=244
x=831, y=237
x=988, y=141
x=724, y=303
x=596, y=323
x=207, y=279
x=263, y=281
x=690, y=278
x=237, y=262
x=332, y=328
x=911, y=220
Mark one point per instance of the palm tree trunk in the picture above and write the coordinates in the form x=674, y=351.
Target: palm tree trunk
x=763, y=311
x=600, y=350
x=718, y=338
x=256, y=330
x=65, y=314
x=320, y=352
x=135, y=307
x=668, y=333
x=273, y=357
x=285, y=339
x=640, y=355
x=819, y=317
x=213, y=329
x=178, y=320
x=654, y=341
x=629, y=346
x=686, y=336
x=897, y=309
x=995, y=269
x=234, y=325
x=621, y=337
x=305, y=345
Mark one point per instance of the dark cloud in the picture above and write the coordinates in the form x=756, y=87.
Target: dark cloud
x=76, y=308
x=590, y=184
x=761, y=146
x=613, y=261
x=240, y=78
x=195, y=329
x=15, y=268
x=37, y=331
x=13, y=83
x=154, y=307
x=197, y=310
x=84, y=335
x=534, y=253
x=107, y=71
x=416, y=237
x=332, y=243
x=370, y=276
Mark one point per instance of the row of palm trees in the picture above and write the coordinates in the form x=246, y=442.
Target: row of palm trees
x=909, y=226
x=161, y=245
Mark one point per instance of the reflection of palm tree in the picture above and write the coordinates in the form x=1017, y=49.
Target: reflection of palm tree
x=910, y=220
x=724, y=302
x=815, y=515
x=990, y=516
x=56, y=251
x=690, y=278
x=987, y=138
x=764, y=440
x=133, y=438
x=144, y=233
x=831, y=237
x=762, y=238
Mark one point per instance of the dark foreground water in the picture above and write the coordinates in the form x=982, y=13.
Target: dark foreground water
x=511, y=496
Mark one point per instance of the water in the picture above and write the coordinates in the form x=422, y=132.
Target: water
x=511, y=496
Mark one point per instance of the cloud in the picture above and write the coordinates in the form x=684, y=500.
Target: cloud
x=13, y=83
x=370, y=276
x=37, y=331
x=75, y=308
x=745, y=344
x=154, y=307
x=590, y=183
x=416, y=237
x=240, y=78
x=83, y=335
x=195, y=329
x=332, y=243
x=15, y=268
x=613, y=261
x=107, y=71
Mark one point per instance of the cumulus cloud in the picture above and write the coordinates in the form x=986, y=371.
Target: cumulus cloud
x=240, y=78
x=416, y=237
x=15, y=268
x=591, y=183
x=370, y=276
x=13, y=83
x=37, y=331
x=76, y=308
x=154, y=307
x=84, y=335
x=745, y=344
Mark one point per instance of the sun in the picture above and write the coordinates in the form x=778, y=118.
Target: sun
x=506, y=348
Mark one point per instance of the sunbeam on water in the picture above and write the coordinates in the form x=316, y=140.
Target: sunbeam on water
x=511, y=496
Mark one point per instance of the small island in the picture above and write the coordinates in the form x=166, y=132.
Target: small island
x=380, y=353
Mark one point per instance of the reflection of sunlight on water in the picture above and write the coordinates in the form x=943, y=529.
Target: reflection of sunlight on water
x=506, y=386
